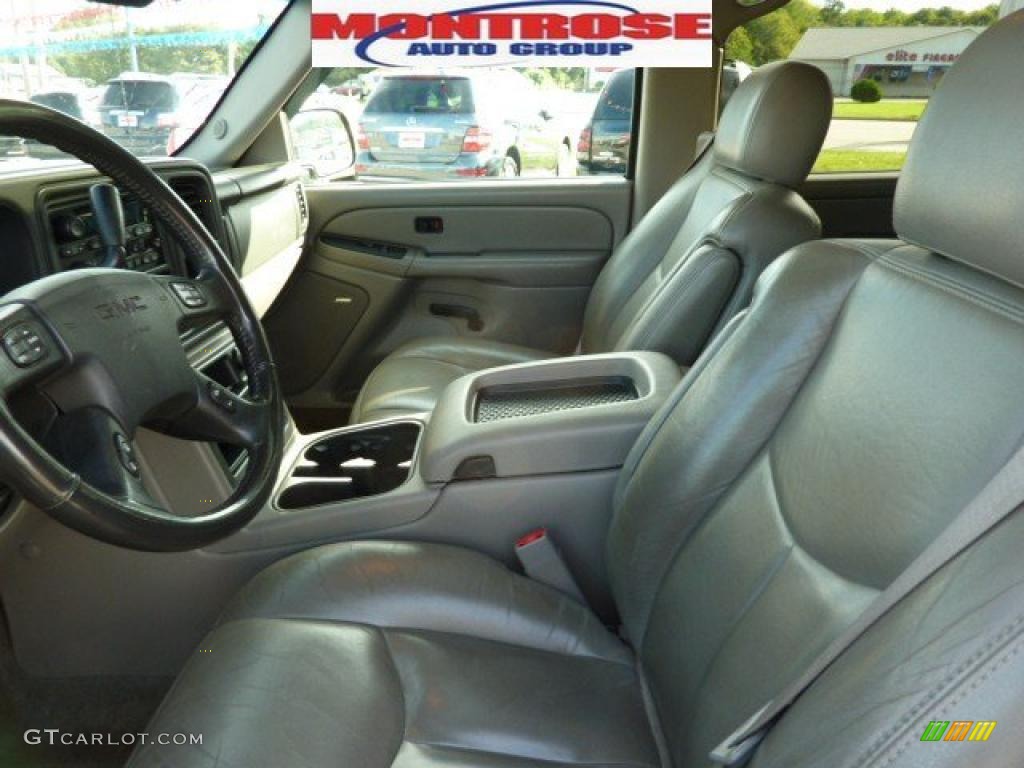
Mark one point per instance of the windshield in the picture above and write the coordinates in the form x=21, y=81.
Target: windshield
x=146, y=77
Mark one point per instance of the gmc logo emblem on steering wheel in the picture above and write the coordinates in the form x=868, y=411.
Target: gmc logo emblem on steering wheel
x=120, y=308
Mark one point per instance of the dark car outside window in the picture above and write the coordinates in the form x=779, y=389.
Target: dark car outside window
x=418, y=95
x=139, y=94
x=604, y=144
x=616, y=101
x=62, y=102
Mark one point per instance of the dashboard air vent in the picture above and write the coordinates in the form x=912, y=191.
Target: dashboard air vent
x=198, y=197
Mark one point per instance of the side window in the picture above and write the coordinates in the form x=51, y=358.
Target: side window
x=430, y=125
x=882, y=66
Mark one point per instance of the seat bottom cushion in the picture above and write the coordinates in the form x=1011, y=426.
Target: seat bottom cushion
x=411, y=379
x=433, y=656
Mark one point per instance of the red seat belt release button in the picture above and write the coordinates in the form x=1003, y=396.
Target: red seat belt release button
x=542, y=562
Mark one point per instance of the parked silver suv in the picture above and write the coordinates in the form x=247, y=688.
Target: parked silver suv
x=460, y=125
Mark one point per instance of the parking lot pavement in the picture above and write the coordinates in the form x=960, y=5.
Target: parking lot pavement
x=870, y=135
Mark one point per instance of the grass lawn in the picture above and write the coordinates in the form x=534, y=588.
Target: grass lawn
x=906, y=110
x=853, y=161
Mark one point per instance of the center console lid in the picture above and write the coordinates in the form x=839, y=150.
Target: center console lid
x=564, y=415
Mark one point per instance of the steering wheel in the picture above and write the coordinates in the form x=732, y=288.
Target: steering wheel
x=104, y=347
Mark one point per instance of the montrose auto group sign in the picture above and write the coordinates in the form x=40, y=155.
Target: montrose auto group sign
x=582, y=33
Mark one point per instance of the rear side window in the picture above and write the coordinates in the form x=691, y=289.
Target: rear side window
x=422, y=95
x=882, y=66
x=139, y=94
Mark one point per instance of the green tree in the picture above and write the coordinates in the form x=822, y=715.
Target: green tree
x=894, y=18
x=773, y=37
x=566, y=78
x=831, y=12
x=983, y=17
x=804, y=14
x=925, y=18
x=861, y=17
x=739, y=46
x=102, y=65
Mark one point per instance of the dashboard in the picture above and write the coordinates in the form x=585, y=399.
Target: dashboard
x=47, y=222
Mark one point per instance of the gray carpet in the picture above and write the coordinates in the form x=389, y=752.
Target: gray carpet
x=114, y=705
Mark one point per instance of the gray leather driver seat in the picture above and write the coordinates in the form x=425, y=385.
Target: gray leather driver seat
x=829, y=434
x=686, y=268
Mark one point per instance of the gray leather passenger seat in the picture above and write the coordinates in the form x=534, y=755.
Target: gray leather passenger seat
x=687, y=267
x=871, y=390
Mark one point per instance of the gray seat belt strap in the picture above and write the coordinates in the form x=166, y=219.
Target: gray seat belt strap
x=1003, y=495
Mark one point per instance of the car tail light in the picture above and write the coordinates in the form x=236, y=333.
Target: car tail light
x=477, y=140
x=362, y=139
x=586, y=139
x=167, y=120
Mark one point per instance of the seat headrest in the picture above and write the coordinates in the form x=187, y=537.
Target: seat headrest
x=961, y=193
x=774, y=124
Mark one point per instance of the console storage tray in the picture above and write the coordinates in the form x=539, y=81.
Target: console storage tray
x=509, y=401
x=565, y=415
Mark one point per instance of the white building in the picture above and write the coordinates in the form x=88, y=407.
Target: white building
x=906, y=61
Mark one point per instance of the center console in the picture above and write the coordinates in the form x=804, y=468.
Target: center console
x=556, y=431
x=505, y=451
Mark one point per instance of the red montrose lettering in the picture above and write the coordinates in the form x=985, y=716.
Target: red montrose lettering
x=513, y=26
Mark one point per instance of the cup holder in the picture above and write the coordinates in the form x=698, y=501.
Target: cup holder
x=352, y=465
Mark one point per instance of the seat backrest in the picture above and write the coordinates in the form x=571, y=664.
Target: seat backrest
x=869, y=393
x=692, y=261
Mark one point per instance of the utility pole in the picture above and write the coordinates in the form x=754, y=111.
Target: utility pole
x=23, y=55
x=41, y=61
x=133, y=49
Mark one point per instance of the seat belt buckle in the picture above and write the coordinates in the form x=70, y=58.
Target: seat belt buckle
x=735, y=750
x=541, y=561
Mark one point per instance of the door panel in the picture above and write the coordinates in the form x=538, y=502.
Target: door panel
x=478, y=230
x=386, y=263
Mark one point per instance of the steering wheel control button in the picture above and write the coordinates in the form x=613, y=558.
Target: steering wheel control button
x=126, y=454
x=24, y=345
x=221, y=397
x=189, y=294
